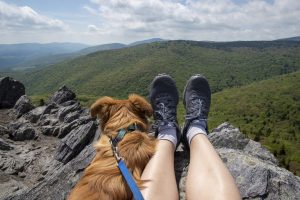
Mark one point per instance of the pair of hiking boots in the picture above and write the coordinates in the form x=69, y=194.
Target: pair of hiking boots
x=164, y=99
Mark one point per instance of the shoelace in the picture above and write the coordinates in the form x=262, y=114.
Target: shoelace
x=166, y=112
x=196, y=108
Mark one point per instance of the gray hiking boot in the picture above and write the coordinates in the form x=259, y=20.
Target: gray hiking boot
x=164, y=99
x=196, y=100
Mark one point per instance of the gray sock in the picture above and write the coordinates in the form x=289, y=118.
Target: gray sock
x=196, y=129
x=168, y=133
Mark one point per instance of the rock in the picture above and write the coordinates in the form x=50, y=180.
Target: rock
x=4, y=145
x=228, y=136
x=4, y=131
x=255, y=149
x=21, y=174
x=66, y=128
x=68, y=103
x=10, y=91
x=50, y=130
x=11, y=165
x=66, y=110
x=257, y=179
x=48, y=119
x=71, y=117
x=15, y=125
x=24, y=132
x=23, y=105
x=58, y=185
x=75, y=141
x=9, y=186
x=35, y=114
x=49, y=108
x=62, y=95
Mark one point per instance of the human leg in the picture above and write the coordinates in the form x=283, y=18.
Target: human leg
x=160, y=169
x=208, y=177
x=160, y=173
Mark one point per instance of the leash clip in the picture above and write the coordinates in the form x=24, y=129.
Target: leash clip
x=115, y=151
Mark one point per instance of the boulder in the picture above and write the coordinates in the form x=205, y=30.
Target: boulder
x=23, y=105
x=24, y=132
x=66, y=129
x=49, y=108
x=48, y=119
x=11, y=165
x=34, y=115
x=74, y=142
x=50, y=130
x=10, y=91
x=64, y=94
x=71, y=117
x=63, y=111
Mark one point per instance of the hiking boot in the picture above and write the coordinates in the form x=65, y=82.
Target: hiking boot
x=196, y=100
x=164, y=99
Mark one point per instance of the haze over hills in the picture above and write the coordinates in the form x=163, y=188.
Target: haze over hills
x=33, y=55
x=17, y=55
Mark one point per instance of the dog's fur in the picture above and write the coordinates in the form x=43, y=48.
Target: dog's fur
x=102, y=178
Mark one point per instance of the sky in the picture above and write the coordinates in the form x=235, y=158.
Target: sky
x=125, y=21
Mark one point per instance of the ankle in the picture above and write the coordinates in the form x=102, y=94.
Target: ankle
x=168, y=133
x=194, y=130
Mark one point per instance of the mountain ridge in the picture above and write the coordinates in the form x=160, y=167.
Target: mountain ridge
x=237, y=63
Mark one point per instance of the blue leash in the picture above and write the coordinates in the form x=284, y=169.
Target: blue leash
x=137, y=195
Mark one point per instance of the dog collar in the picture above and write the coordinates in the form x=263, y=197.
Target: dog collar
x=122, y=132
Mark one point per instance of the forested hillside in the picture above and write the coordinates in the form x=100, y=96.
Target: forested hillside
x=266, y=111
x=123, y=71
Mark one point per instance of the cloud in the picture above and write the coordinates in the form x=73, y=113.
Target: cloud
x=197, y=20
x=24, y=18
x=92, y=28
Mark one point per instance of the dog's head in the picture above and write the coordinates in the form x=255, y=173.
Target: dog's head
x=115, y=114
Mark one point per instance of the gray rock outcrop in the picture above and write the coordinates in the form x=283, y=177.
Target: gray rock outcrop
x=10, y=91
x=63, y=95
x=257, y=177
x=23, y=105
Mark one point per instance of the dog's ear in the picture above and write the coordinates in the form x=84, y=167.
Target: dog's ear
x=141, y=104
x=101, y=107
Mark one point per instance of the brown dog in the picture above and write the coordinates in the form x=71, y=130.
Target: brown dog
x=102, y=179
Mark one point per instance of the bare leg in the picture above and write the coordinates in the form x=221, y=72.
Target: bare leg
x=160, y=172
x=208, y=177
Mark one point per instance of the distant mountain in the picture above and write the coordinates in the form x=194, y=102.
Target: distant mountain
x=17, y=55
x=102, y=47
x=111, y=46
x=34, y=55
x=297, y=38
x=146, y=41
